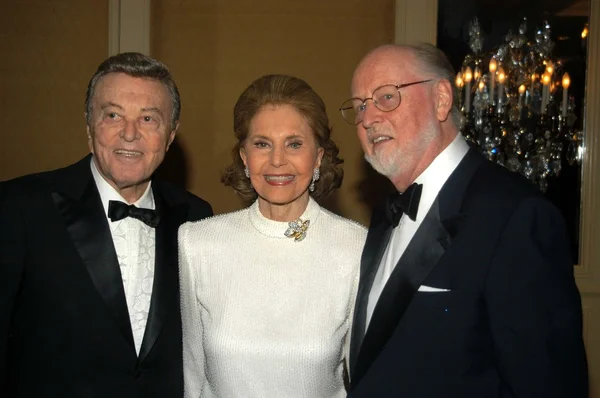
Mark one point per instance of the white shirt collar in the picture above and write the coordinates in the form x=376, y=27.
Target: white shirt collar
x=437, y=173
x=108, y=193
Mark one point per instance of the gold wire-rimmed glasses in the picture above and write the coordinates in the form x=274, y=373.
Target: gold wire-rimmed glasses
x=386, y=98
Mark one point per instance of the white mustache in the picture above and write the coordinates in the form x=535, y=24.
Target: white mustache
x=373, y=133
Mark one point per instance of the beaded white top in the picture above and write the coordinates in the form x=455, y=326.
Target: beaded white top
x=265, y=315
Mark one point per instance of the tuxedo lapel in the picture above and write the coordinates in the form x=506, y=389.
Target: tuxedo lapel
x=165, y=289
x=377, y=239
x=423, y=253
x=420, y=257
x=78, y=202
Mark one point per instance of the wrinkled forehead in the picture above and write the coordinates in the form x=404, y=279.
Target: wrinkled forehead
x=381, y=68
x=119, y=82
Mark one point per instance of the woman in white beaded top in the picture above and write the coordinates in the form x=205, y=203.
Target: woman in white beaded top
x=268, y=291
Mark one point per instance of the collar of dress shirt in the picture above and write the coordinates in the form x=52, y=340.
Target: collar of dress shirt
x=435, y=176
x=108, y=193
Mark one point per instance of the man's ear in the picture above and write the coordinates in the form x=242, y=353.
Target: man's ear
x=172, y=135
x=444, y=99
x=89, y=136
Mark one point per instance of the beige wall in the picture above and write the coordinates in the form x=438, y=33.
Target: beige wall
x=216, y=49
x=48, y=51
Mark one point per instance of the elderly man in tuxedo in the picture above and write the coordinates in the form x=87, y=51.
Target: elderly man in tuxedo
x=89, y=296
x=467, y=286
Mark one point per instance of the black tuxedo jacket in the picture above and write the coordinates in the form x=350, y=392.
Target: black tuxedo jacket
x=510, y=323
x=64, y=324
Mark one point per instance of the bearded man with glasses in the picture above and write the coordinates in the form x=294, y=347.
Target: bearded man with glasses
x=467, y=286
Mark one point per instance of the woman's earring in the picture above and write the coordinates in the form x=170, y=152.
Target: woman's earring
x=316, y=175
x=247, y=172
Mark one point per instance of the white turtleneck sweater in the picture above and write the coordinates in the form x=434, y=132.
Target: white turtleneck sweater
x=264, y=315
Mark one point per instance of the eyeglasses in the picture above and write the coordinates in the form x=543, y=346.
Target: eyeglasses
x=385, y=98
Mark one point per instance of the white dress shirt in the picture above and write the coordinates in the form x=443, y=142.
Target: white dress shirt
x=135, y=246
x=433, y=178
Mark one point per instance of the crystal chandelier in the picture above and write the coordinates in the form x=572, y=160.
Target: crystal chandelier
x=516, y=106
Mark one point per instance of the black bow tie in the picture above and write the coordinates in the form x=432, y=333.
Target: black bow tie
x=404, y=203
x=119, y=210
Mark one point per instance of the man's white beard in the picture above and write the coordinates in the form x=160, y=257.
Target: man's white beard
x=391, y=164
x=386, y=166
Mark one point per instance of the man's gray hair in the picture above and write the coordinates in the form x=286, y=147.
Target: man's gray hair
x=135, y=65
x=433, y=61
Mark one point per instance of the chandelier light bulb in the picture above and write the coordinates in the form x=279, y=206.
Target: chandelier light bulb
x=501, y=75
x=493, y=65
x=468, y=76
x=566, y=81
x=584, y=32
x=459, y=80
x=546, y=79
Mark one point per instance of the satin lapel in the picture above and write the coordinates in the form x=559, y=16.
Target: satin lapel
x=87, y=225
x=375, y=245
x=421, y=256
x=165, y=289
x=442, y=222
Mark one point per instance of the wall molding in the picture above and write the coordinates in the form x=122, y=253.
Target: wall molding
x=415, y=21
x=128, y=26
x=587, y=274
